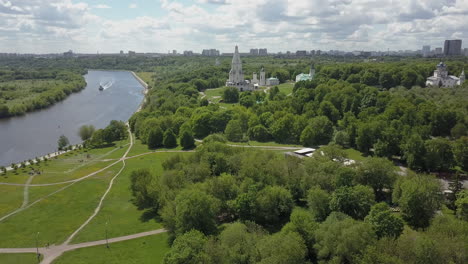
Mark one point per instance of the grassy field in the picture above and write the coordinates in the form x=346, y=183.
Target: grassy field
x=121, y=215
x=265, y=144
x=214, y=95
x=354, y=154
x=145, y=250
x=12, y=198
x=139, y=148
x=26, y=258
x=286, y=88
x=55, y=217
x=147, y=77
x=72, y=165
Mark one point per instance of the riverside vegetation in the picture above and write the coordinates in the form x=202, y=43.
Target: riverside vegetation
x=23, y=91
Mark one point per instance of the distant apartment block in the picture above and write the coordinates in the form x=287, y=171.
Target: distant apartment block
x=439, y=51
x=131, y=53
x=254, y=52
x=188, y=53
x=452, y=47
x=68, y=53
x=210, y=52
x=465, y=51
x=301, y=53
x=262, y=52
x=312, y=52
x=426, y=50
x=318, y=52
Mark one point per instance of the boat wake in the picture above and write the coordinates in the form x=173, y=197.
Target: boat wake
x=106, y=84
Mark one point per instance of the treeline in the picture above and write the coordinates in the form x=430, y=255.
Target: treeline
x=234, y=205
x=56, y=87
x=425, y=127
x=387, y=75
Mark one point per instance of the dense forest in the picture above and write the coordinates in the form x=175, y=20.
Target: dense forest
x=230, y=205
x=25, y=90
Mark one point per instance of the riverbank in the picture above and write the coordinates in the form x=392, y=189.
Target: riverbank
x=145, y=91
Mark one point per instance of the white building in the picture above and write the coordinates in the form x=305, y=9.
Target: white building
x=442, y=79
x=236, y=75
x=426, y=50
x=306, y=77
x=272, y=81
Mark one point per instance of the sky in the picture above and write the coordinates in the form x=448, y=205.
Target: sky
x=108, y=26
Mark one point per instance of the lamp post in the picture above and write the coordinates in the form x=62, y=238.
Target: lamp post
x=37, y=248
x=107, y=241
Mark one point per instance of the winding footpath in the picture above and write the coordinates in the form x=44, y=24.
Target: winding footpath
x=51, y=253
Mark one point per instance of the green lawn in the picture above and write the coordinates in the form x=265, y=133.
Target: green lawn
x=139, y=148
x=57, y=216
x=121, y=215
x=354, y=155
x=72, y=165
x=286, y=88
x=145, y=250
x=23, y=258
x=214, y=95
x=265, y=144
x=38, y=192
x=12, y=198
x=147, y=77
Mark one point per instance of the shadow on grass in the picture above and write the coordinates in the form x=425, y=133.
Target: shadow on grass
x=149, y=215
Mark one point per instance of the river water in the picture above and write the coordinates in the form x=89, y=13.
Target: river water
x=35, y=134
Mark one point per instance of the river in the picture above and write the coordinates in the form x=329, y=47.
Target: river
x=35, y=134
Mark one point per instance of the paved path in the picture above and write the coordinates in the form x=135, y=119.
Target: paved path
x=51, y=253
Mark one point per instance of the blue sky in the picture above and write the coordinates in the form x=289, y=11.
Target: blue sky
x=40, y=26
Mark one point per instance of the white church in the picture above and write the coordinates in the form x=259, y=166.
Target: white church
x=236, y=76
x=442, y=79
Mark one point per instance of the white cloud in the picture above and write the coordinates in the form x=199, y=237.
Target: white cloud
x=279, y=25
x=101, y=6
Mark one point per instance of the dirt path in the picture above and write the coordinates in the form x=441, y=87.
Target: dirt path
x=26, y=191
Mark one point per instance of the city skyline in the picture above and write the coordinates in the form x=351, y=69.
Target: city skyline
x=91, y=26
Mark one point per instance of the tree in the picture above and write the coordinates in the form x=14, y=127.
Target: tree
x=143, y=189
x=459, y=130
x=86, y=132
x=273, y=205
x=318, y=202
x=186, y=139
x=318, y=132
x=328, y=109
x=462, y=205
x=155, y=138
x=187, y=249
x=195, y=209
x=418, y=197
x=302, y=222
x=460, y=152
x=169, y=140
x=259, y=133
x=62, y=142
x=354, y=201
x=116, y=130
x=439, y=154
x=340, y=239
x=231, y=95
x=414, y=152
x=233, y=131
x=378, y=173
x=282, y=248
x=384, y=222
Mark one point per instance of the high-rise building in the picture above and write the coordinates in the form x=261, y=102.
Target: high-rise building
x=438, y=51
x=254, y=52
x=312, y=52
x=465, y=51
x=452, y=47
x=301, y=53
x=426, y=50
x=210, y=52
x=262, y=52
x=188, y=53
